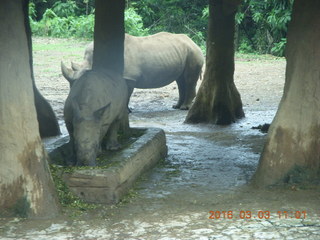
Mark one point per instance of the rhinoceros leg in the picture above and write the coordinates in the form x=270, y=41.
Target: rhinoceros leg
x=182, y=92
x=70, y=157
x=112, y=136
x=130, y=91
x=190, y=81
x=131, y=85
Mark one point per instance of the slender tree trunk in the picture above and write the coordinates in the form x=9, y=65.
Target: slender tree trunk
x=48, y=123
x=109, y=35
x=292, y=150
x=26, y=186
x=218, y=100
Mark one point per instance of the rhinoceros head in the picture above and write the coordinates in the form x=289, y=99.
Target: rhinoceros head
x=87, y=133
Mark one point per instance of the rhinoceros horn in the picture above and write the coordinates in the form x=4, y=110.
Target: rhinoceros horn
x=75, y=66
x=68, y=73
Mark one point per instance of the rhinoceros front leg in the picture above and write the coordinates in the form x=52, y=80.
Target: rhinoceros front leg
x=189, y=82
x=189, y=96
x=70, y=158
x=112, y=136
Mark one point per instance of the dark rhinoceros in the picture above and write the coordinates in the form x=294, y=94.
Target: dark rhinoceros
x=95, y=108
x=154, y=61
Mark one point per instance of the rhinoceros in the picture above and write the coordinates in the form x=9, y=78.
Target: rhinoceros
x=95, y=108
x=154, y=61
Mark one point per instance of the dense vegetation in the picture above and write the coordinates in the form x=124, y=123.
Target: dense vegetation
x=261, y=24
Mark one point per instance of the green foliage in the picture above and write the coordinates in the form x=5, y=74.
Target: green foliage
x=133, y=23
x=176, y=16
x=263, y=25
x=65, y=9
x=245, y=47
x=61, y=22
x=32, y=11
x=279, y=47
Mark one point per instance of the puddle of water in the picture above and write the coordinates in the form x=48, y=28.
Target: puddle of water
x=203, y=158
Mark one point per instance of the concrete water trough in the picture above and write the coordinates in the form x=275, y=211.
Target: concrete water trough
x=110, y=180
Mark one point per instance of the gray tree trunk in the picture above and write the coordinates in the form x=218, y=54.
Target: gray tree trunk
x=218, y=100
x=109, y=35
x=48, y=123
x=292, y=151
x=26, y=186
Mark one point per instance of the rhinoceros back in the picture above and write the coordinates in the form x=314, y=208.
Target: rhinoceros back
x=157, y=60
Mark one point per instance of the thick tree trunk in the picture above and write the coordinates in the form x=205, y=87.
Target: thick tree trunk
x=26, y=186
x=293, y=143
x=109, y=35
x=218, y=100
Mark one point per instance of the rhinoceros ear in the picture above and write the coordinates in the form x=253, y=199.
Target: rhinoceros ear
x=100, y=112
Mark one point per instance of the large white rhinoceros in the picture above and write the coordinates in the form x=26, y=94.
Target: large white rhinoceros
x=154, y=61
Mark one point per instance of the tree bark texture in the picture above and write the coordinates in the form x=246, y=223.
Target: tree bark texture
x=293, y=142
x=109, y=35
x=26, y=187
x=218, y=100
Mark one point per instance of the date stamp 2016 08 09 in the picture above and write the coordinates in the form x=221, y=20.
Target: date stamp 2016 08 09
x=243, y=214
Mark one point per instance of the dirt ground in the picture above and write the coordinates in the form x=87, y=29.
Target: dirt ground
x=259, y=79
x=208, y=168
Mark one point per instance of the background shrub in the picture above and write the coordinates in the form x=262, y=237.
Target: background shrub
x=261, y=25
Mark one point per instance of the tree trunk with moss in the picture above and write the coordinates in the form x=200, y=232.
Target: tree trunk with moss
x=218, y=100
x=26, y=186
x=292, y=150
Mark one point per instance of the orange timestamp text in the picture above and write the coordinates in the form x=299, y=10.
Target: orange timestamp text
x=261, y=214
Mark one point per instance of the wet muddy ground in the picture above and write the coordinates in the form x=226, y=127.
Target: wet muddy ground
x=208, y=168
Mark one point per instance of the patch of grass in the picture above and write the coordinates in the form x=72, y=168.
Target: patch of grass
x=70, y=201
x=63, y=47
x=246, y=57
x=66, y=198
x=58, y=45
